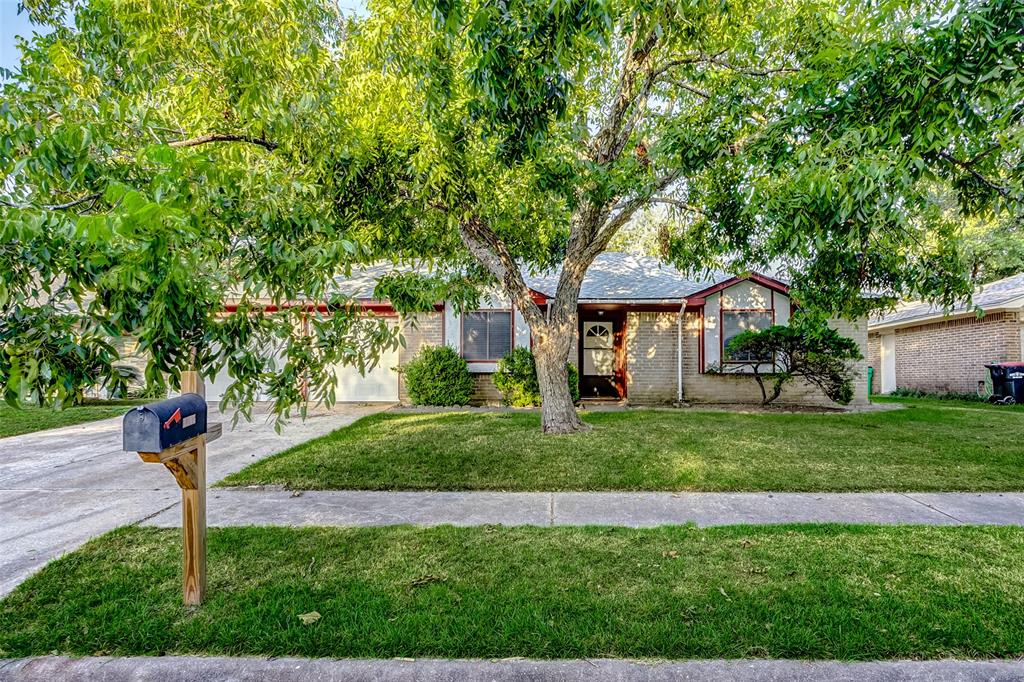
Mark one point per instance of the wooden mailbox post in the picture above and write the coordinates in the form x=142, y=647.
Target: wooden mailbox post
x=187, y=461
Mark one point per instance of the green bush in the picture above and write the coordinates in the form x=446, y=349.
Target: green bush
x=901, y=392
x=516, y=378
x=438, y=376
x=806, y=348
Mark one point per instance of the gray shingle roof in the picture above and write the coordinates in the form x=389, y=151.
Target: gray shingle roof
x=618, y=276
x=360, y=284
x=613, y=276
x=992, y=295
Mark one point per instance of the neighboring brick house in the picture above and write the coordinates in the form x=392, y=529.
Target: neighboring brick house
x=647, y=335
x=918, y=346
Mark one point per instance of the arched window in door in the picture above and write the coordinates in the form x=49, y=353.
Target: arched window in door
x=598, y=349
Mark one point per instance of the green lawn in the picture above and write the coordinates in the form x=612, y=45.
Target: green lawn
x=15, y=421
x=822, y=592
x=929, y=445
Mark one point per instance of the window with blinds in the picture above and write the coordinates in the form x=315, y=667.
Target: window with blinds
x=486, y=335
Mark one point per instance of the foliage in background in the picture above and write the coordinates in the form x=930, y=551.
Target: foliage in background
x=805, y=349
x=163, y=158
x=995, y=250
x=516, y=378
x=438, y=375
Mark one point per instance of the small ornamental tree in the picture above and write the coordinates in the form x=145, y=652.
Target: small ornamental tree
x=438, y=376
x=811, y=351
x=516, y=378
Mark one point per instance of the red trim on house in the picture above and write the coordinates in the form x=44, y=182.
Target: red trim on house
x=444, y=319
x=700, y=341
x=377, y=307
x=763, y=280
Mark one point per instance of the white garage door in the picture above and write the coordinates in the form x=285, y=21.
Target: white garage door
x=379, y=384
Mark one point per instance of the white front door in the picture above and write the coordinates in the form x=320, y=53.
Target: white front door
x=888, y=383
x=598, y=349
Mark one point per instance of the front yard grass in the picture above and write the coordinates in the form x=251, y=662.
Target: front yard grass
x=926, y=446
x=818, y=592
x=31, y=418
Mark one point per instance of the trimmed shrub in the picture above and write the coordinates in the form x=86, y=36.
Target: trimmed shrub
x=516, y=378
x=805, y=349
x=438, y=376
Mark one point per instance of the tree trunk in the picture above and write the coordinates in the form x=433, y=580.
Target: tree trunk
x=557, y=411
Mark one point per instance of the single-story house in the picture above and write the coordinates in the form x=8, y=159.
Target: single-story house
x=920, y=346
x=647, y=335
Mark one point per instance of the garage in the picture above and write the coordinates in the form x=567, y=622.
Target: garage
x=379, y=384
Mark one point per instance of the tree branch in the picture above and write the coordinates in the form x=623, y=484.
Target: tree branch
x=55, y=207
x=625, y=212
x=223, y=137
x=609, y=141
x=717, y=60
x=677, y=203
x=968, y=168
x=491, y=252
x=703, y=94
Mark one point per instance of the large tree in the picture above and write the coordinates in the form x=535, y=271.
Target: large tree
x=160, y=156
x=805, y=136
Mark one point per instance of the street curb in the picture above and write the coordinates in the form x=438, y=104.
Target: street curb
x=222, y=669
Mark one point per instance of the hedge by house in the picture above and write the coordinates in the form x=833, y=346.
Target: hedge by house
x=438, y=376
x=516, y=378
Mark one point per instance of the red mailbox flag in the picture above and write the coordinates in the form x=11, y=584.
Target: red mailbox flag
x=173, y=419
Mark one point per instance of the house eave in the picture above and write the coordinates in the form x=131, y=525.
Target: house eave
x=1009, y=306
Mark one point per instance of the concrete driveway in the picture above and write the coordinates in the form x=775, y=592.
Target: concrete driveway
x=61, y=487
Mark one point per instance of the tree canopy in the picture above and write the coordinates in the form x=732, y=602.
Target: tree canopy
x=162, y=158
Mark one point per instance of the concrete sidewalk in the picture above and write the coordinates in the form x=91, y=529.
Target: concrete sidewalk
x=275, y=506
x=200, y=669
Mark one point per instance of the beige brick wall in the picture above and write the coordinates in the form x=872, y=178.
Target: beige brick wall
x=875, y=359
x=418, y=330
x=651, y=357
x=951, y=355
x=484, y=390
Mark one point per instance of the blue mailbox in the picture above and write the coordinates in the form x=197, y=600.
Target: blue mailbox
x=158, y=426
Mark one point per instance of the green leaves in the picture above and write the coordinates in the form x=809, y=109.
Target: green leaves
x=195, y=174
x=806, y=349
x=164, y=161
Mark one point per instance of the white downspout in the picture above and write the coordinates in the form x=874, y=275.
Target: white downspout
x=679, y=353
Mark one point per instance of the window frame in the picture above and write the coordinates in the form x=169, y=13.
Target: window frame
x=721, y=335
x=462, y=332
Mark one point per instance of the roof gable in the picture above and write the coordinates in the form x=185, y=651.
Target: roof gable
x=697, y=298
